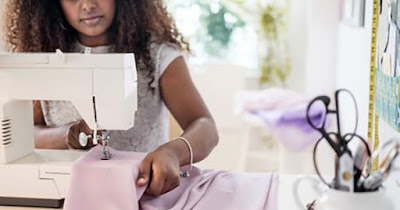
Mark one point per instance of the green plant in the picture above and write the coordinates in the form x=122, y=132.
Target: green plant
x=274, y=71
x=218, y=28
x=270, y=23
x=275, y=65
x=217, y=24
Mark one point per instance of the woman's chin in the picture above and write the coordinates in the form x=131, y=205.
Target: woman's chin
x=93, y=35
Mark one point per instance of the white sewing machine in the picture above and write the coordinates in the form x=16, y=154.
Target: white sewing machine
x=103, y=88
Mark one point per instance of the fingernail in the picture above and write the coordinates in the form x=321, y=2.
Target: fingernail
x=142, y=181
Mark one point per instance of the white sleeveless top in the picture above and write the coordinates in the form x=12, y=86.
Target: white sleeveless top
x=151, y=120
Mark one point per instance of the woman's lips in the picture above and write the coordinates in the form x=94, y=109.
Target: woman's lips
x=92, y=21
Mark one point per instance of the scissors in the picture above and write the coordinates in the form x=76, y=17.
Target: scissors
x=376, y=178
x=348, y=167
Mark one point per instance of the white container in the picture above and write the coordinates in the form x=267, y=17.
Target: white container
x=331, y=199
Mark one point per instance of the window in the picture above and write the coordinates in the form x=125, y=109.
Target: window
x=215, y=32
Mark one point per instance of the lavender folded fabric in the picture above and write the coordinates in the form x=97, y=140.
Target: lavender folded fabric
x=268, y=99
x=291, y=127
x=294, y=116
x=208, y=189
x=98, y=184
x=285, y=112
x=279, y=107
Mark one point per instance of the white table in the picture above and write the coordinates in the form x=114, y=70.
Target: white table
x=286, y=199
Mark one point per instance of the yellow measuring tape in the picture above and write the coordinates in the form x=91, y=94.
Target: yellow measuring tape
x=373, y=119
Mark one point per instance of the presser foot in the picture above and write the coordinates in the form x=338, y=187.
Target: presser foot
x=107, y=155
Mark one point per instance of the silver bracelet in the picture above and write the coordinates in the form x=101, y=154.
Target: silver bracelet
x=185, y=174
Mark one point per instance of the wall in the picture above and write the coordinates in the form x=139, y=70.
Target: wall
x=322, y=50
x=297, y=35
x=313, y=31
x=354, y=64
x=327, y=54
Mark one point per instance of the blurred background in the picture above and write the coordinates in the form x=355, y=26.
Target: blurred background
x=273, y=55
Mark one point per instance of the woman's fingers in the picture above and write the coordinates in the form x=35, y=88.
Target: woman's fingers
x=170, y=184
x=157, y=184
x=145, y=170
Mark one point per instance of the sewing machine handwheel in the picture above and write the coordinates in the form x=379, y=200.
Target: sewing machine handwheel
x=83, y=139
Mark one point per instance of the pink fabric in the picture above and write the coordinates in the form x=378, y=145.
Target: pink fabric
x=98, y=184
x=104, y=184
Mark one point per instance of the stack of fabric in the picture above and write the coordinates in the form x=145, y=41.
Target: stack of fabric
x=285, y=112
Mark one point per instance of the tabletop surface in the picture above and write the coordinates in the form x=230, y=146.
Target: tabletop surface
x=286, y=198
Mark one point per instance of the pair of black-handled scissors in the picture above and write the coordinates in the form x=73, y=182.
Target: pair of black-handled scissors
x=348, y=167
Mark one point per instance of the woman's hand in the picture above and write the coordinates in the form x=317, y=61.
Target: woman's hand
x=159, y=169
x=74, y=129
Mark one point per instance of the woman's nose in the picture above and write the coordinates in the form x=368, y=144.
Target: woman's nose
x=88, y=5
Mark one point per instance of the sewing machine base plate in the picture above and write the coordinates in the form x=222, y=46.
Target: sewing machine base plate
x=31, y=202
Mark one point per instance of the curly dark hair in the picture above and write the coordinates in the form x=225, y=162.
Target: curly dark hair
x=40, y=26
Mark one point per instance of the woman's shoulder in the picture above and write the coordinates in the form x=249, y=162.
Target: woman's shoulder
x=164, y=53
x=160, y=47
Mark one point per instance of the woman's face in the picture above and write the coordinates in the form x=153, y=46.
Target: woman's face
x=91, y=18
